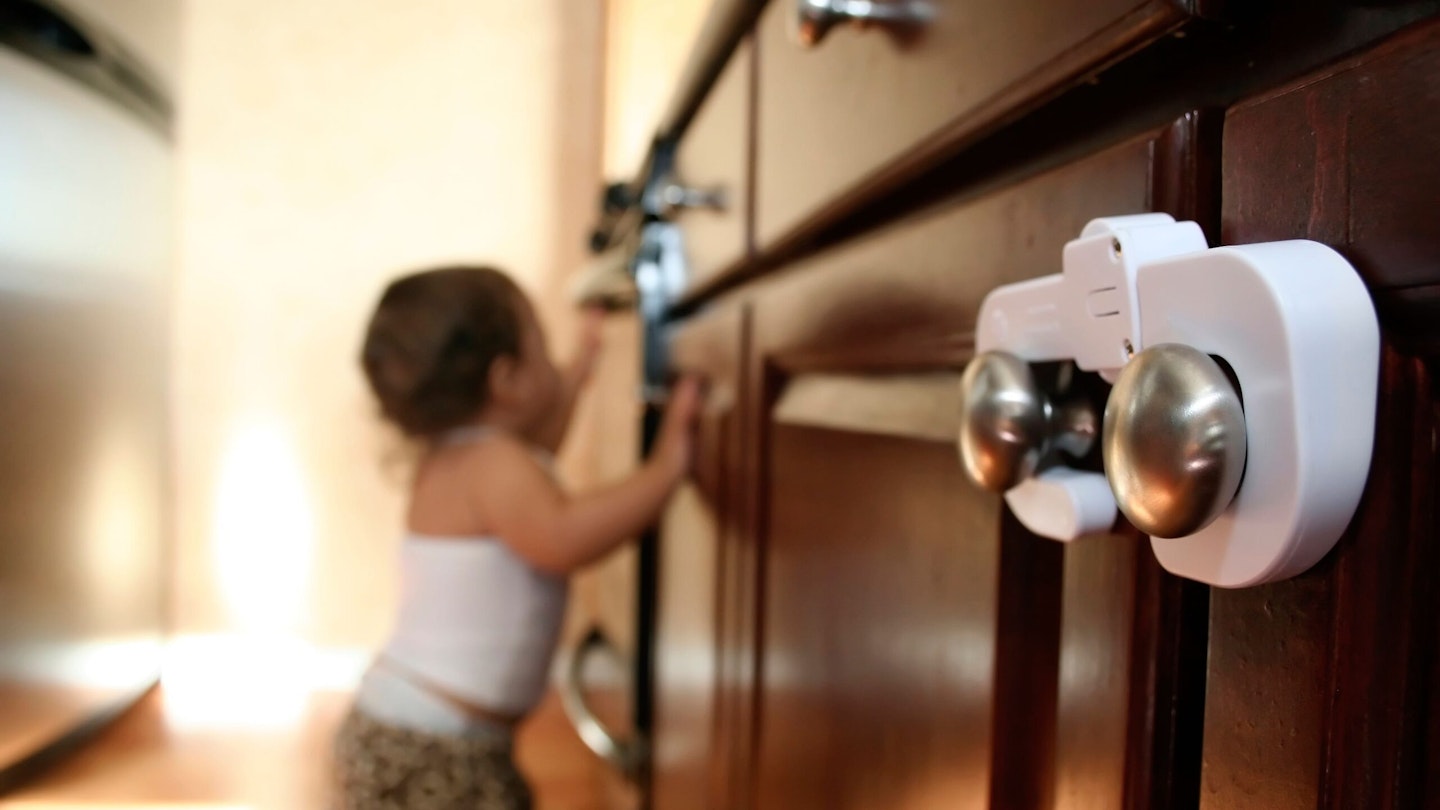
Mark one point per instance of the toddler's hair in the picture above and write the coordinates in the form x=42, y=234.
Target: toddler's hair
x=431, y=342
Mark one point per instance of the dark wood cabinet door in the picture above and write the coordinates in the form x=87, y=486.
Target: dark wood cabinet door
x=881, y=615
x=918, y=647
x=1322, y=688
x=688, y=763
x=1131, y=681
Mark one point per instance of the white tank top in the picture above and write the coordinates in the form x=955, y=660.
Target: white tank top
x=476, y=619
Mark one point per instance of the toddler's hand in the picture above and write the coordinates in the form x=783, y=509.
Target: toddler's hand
x=675, y=446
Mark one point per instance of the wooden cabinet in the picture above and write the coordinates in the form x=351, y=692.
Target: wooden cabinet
x=844, y=620
x=894, y=590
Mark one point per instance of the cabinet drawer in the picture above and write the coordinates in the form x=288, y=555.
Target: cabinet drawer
x=714, y=156
x=849, y=111
x=921, y=281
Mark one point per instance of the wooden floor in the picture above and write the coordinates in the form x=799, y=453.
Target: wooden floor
x=148, y=762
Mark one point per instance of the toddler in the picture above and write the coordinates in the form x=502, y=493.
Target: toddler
x=458, y=363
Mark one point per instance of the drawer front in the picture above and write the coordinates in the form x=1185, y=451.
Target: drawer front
x=714, y=156
x=847, y=110
x=904, y=612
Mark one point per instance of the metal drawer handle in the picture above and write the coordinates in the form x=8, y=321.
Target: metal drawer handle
x=676, y=196
x=628, y=756
x=815, y=18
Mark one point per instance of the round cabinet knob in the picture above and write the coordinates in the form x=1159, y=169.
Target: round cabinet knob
x=1007, y=425
x=1174, y=440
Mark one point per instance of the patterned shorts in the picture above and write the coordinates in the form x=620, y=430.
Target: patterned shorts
x=382, y=767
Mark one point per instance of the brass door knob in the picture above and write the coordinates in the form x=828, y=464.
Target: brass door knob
x=1008, y=426
x=1173, y=440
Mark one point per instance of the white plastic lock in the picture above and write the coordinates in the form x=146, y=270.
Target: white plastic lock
x=1297, y=327
x=1089, y=312
x=1063, y=504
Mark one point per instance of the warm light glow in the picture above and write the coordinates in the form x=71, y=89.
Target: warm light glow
x=263, y=537
x=121, y=527
x=263, y=531
x=119, y=518
x=946, y=789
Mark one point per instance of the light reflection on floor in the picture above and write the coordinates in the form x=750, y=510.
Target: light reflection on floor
x=220, y=682
x=245, y=724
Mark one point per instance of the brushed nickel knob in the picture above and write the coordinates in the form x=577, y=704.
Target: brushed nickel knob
x=1174, y=440
x=1008, y=426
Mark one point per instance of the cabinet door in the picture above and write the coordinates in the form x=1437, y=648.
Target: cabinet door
x=689, y=765
x=919, y=648
x=1322, y=688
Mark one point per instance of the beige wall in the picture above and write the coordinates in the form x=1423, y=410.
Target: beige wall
x=324, y=146
x=648, y=42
